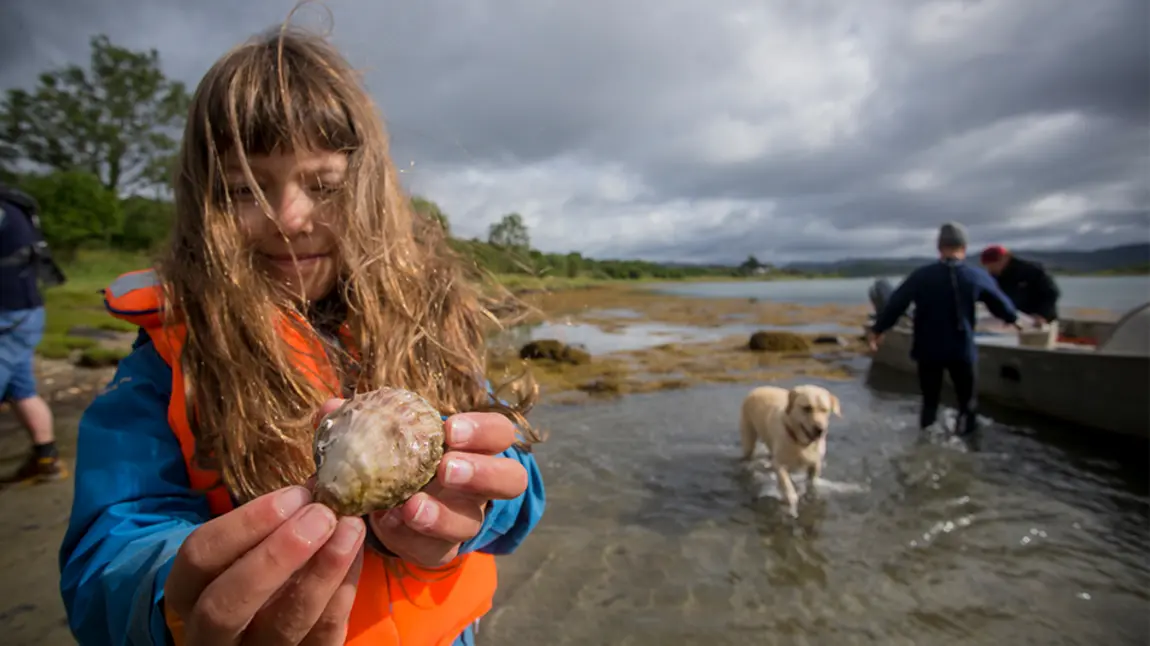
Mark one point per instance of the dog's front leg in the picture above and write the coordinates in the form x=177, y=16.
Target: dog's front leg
x=787, y=488
x=814, y=472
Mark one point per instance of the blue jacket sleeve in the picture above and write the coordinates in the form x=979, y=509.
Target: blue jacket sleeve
x=899, y=301
x=508, y=522
x=132, y=509
x=995, y=300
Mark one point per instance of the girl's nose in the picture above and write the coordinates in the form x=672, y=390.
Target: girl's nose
x=296, y=211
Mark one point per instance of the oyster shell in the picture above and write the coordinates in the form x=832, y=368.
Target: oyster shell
x=376, y=450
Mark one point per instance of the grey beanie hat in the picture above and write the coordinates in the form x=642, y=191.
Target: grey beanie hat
x=951, y=234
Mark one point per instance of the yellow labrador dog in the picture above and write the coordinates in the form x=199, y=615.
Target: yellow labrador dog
x=793, y=425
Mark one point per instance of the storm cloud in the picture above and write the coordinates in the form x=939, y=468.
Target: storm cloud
x=705, y=131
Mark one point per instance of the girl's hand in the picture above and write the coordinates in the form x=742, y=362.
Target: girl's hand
x=278, y=570
x=429, y=528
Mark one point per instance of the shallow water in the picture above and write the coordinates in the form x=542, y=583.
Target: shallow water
x=655, y=534
x=1115, y=293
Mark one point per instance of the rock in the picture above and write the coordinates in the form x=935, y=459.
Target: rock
x=607, y=384
x=829, y=339
x=102, y=359
x=775, y=341
x=553, y=350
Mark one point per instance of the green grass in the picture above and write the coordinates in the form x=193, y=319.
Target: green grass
x=79, y=303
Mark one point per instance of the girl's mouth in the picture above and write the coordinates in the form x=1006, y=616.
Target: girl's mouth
x=301, y=261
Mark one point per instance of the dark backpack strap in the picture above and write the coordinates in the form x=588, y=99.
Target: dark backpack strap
x=37, y=255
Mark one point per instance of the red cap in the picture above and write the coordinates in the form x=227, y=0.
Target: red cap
x=993, y=253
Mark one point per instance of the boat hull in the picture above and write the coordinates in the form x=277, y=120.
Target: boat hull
x=1106, y=391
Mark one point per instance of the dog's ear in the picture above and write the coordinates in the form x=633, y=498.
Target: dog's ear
x=791, y=397
x=835, y=406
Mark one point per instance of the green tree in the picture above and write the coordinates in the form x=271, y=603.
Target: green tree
x=115, y=120
x=147, y=222
x=750, y=265
x=510, y=232
x=429, y=209
x=574, y=264
x=75, y=209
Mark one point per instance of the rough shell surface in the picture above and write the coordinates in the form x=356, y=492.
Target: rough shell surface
x=376, y=450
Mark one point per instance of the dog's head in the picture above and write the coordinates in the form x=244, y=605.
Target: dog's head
x=809, y=409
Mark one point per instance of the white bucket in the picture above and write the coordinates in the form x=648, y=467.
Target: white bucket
x=1042, y=337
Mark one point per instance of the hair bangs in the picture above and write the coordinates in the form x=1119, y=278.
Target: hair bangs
x=276, y=94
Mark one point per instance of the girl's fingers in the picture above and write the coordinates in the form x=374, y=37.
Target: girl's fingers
x=484, y=477
x=488, y=433
x=294, y=612
x=230, y=601
x=331, y=628
x=218, y=543
x=327, y=407
x=451, y=520
x=424, y=549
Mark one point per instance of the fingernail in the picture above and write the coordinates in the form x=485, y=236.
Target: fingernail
x=315, y=524
x=462, y=429
x=425, y=514
x=346, y=535
x=459, y=471
x=393, y=519
x=292, y=500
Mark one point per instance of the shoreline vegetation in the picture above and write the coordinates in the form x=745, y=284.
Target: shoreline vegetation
x=81, y=337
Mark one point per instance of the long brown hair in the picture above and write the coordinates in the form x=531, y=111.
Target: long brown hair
x=413, y=307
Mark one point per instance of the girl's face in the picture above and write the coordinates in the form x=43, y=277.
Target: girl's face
x=298, y=187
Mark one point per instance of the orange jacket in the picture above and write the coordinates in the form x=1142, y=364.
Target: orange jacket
x=388, y=609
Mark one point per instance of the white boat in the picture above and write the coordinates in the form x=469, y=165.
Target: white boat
x=1096, y=374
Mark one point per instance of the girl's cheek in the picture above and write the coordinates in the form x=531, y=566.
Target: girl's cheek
x=251, y=222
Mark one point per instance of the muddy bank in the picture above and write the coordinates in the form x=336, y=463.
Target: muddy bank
x=615, y=304
x=33, y=519
x=642, y=341
x=672, y=366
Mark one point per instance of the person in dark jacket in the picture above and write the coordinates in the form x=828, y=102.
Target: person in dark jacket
x=21, y=328
x=944, y=294
x=1026, y=282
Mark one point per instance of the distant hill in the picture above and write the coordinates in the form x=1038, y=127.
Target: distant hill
x=1099, y=260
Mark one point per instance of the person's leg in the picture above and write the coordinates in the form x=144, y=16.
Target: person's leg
x=930, y=385
x=17, y=349
x=962, y=375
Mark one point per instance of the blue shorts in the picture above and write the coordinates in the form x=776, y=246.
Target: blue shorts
x=20, y=333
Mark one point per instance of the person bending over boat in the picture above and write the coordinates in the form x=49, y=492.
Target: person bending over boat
x=1030, y=287
x=944, y=294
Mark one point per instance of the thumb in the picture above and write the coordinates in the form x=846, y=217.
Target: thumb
x=326, y=409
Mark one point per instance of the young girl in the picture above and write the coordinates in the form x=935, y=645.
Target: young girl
x=297, y=275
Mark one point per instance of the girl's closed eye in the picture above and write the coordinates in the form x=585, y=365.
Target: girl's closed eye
x=326, y=189
x=241, y=192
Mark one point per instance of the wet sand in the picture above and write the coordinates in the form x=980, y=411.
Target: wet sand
x=654, y=535
x=33, y=519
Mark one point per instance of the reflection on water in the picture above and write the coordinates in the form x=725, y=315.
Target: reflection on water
x=637, y=336
x=655, y=534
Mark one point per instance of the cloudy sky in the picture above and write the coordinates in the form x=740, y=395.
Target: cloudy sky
x=705, y=130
